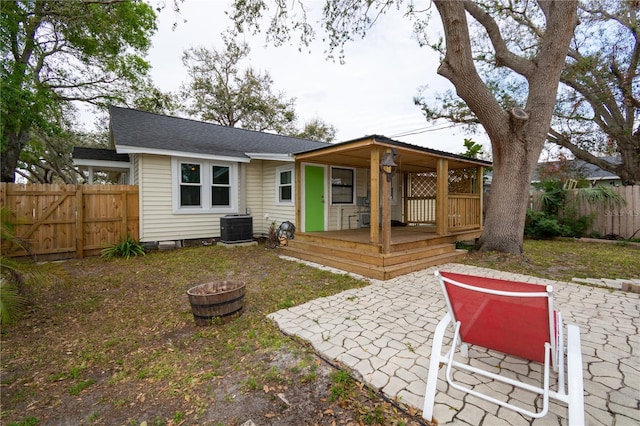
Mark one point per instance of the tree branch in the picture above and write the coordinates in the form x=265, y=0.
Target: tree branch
x=504, y=57
x=584, y=155
x=459, y=68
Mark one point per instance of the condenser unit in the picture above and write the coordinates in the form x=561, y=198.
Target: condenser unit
x=236, y=228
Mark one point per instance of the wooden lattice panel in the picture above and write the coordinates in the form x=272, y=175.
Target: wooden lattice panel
x=422, y=184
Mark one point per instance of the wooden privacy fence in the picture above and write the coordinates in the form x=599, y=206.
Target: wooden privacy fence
x=63, y=221
x=610, y=218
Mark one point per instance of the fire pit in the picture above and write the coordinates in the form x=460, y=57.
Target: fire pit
x=218, y=301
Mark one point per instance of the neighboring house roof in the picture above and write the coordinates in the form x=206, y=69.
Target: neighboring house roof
x=99, y=154
x=135, y=131
x=582, y=168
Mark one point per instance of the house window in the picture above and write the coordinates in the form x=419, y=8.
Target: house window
x=193, y=177
x=284, y=184
x=220, y=186
x=190, y=185
x=342, y=185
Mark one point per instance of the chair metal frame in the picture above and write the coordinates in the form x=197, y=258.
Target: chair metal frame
x=483, y=290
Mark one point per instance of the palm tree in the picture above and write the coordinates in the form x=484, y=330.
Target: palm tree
x=11, y=278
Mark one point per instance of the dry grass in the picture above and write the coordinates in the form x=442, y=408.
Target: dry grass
x=565, y=259
x=114, y=342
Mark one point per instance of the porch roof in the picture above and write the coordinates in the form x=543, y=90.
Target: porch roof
x=410, y=158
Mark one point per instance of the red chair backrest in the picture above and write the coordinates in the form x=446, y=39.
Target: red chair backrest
x=515, y=325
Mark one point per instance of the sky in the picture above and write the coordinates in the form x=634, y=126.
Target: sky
x=372, y=93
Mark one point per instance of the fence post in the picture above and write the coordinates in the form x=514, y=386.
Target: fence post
x=79, y=222
x=124, y=211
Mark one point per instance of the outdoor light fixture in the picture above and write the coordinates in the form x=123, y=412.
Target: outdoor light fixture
x=388, y=164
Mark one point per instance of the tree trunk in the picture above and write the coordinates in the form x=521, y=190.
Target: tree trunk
x=517, y=136
x=11, y=155
x=509, y=196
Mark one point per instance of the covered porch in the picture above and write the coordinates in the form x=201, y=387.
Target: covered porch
x=388, y=207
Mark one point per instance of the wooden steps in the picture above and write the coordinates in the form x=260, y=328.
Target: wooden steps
x=367, y=259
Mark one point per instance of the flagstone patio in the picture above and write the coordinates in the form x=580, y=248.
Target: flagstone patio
x=383, y=333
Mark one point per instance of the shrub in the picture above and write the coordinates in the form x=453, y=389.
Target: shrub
x=11, y=277
x=574, y=225
x=11, y=301
x=126, y=248
x=541, y=225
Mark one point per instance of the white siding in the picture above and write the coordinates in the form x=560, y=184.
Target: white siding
x=157, y=221
x=272, y=211
x=257, y=195
x=254, y=194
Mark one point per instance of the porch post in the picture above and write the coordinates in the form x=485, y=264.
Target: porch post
x=374, y=202
x=442, y=196
x=480, y=189
x=298, y=195
x=386, y=214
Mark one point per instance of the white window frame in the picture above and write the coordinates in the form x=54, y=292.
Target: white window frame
x=206, y=185
x=279, y=171
x=180, y=184
x=212, y=185
x=353, y=187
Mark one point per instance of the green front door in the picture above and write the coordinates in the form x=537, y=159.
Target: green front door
x=313, y=198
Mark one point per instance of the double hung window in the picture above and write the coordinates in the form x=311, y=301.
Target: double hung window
x=284, y=178
x=190, y=185
x=204, y=186
x=342, y=185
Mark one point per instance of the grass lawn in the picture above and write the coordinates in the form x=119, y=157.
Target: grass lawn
x=114, y=342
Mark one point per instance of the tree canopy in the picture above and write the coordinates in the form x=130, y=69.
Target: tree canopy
x=220, y=90
x=56, y=53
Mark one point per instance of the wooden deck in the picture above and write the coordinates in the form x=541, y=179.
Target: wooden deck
x=412, y=248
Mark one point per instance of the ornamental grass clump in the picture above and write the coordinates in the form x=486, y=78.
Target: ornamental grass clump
x=126, y=248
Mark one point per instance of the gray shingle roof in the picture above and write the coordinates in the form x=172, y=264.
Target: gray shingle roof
x=101, y=154
x=584, y=169
x=134, y=128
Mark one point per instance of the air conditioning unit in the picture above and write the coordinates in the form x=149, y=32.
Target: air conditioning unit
x=236, y=228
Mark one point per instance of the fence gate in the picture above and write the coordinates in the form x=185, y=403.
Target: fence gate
x=63, y=221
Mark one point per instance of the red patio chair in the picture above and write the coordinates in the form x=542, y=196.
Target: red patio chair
x=514, y=318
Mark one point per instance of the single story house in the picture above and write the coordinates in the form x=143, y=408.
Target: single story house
x=373, y=205
x=580, y=169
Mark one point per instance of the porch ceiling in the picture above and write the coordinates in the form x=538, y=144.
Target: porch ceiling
x=410, y=158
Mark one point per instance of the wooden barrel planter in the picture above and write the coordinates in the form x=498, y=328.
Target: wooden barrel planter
x=216, y=301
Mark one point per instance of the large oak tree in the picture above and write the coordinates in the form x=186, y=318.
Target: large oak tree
x=598, y=105
x=55, y=53
x=517, y=134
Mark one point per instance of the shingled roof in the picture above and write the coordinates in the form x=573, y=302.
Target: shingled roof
x=140, y=131
x=100, y=154
x=583, y=169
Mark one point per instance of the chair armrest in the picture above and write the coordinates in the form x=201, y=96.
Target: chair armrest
x=574, y=376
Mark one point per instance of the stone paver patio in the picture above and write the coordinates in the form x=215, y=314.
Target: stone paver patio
x=383, y=333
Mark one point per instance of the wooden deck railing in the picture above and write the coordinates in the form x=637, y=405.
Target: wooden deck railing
x=420, y=210
x=464, y=211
